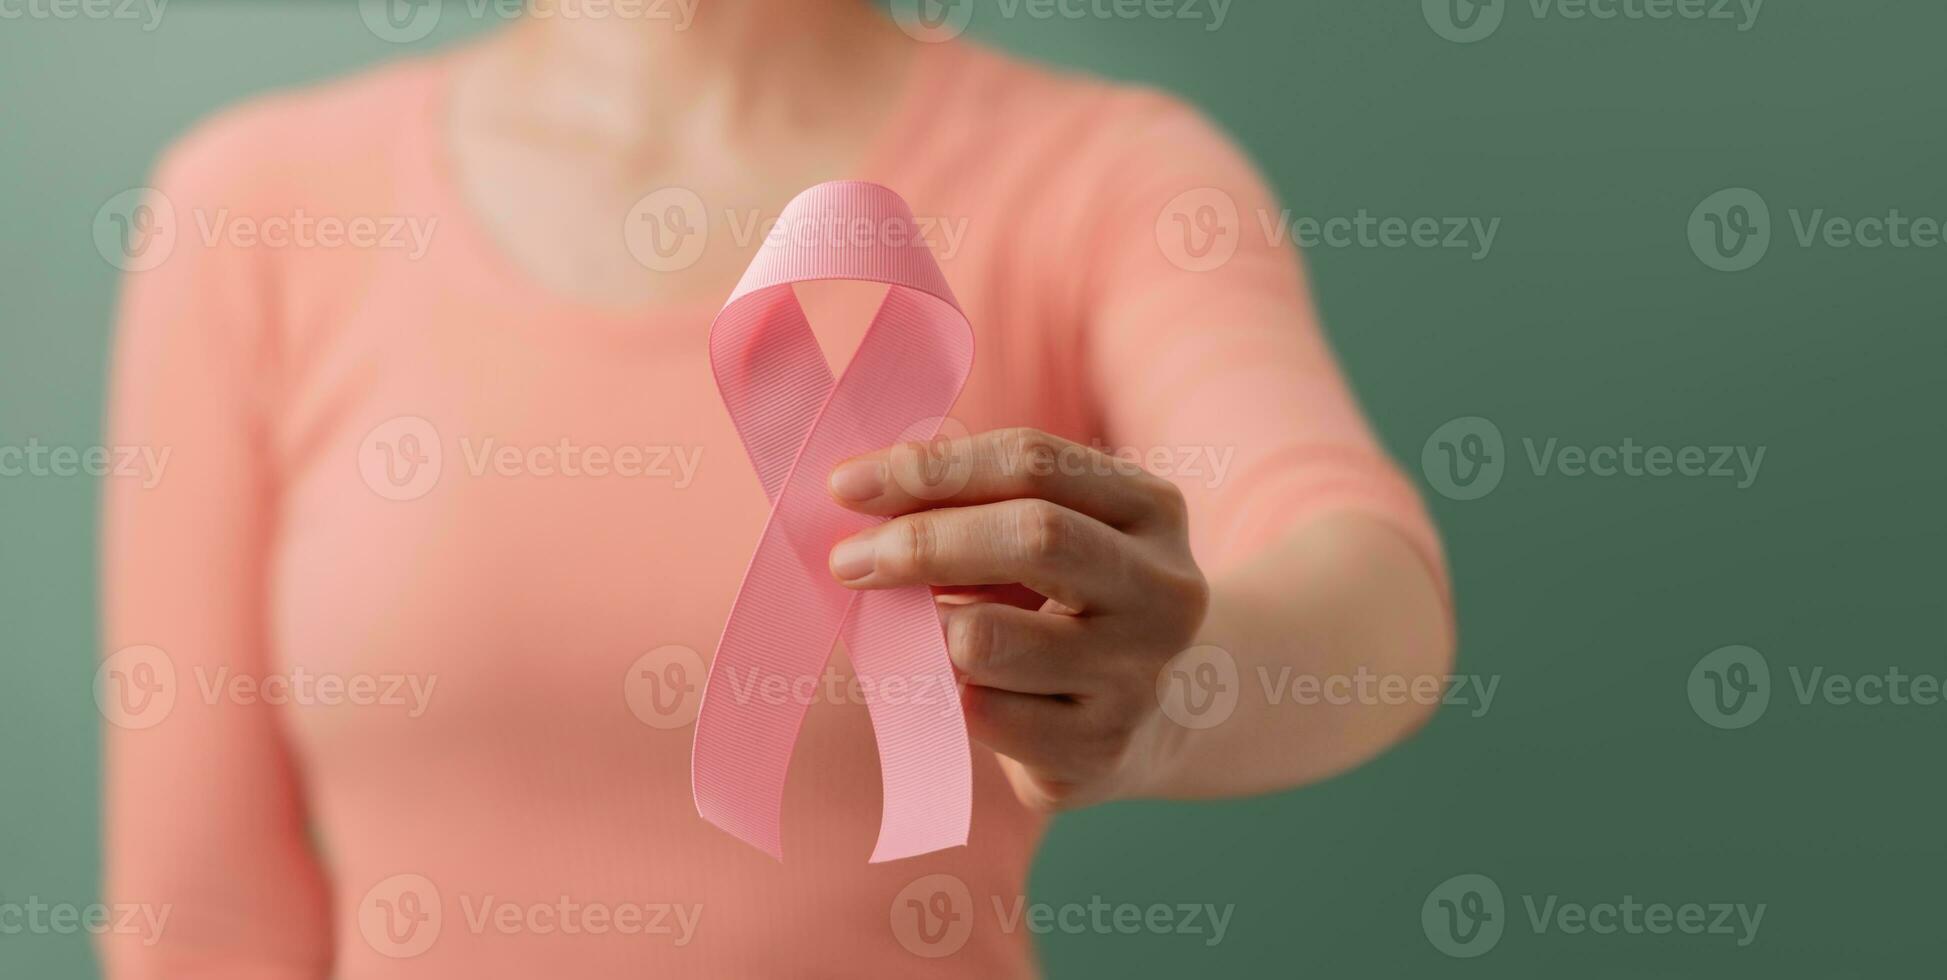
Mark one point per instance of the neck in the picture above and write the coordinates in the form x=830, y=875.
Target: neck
x=697, y=63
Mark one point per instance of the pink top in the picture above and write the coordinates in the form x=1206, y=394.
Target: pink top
x=405, y=645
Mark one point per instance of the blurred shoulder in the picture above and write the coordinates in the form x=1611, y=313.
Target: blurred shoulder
x=284, y=146
x=1102, y=121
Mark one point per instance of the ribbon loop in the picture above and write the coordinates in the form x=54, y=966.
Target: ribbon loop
x=796, y=423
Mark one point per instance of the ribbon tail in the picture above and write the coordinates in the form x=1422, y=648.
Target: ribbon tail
x=925, y=762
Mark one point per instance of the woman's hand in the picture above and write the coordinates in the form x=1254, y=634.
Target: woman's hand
x=1064, y=691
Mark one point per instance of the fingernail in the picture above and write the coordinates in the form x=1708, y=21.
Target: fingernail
x=859, y=479
x=853, y=558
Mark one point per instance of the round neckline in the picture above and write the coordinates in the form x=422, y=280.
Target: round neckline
x=513, y=283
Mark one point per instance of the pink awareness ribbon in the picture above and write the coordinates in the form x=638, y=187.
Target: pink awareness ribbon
x=796, y=423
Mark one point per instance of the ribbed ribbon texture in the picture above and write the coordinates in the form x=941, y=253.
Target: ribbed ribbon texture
x=796, y=423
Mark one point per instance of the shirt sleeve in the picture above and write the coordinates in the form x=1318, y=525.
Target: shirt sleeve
x=1206, y=354
x=203, y=810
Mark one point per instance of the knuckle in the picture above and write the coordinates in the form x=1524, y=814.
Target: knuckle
x=1170, y=504
x=1187, y=592
x=933, y=469
x=1190, y=589
x=1024, y=441
x=971, y=638
x=1044, y=531
x=915, y=546
x=909, y=464
x=1029, y=456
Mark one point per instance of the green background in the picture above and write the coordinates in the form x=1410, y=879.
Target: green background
x=1589, y=599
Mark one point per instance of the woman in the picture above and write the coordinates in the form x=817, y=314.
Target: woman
x=434, y=647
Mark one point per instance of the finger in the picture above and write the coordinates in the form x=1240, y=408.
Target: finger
x=1005, y=464
x=1063, y=746
x=1069, y=557
x=1020, y=650
x=1029, y=728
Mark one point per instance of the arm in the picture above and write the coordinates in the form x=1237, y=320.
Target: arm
x=204, y=820
x=1074, y=693
x=1274, y=528
x=1340, y=596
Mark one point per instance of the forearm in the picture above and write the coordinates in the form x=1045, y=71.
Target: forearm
x=1340, y=636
